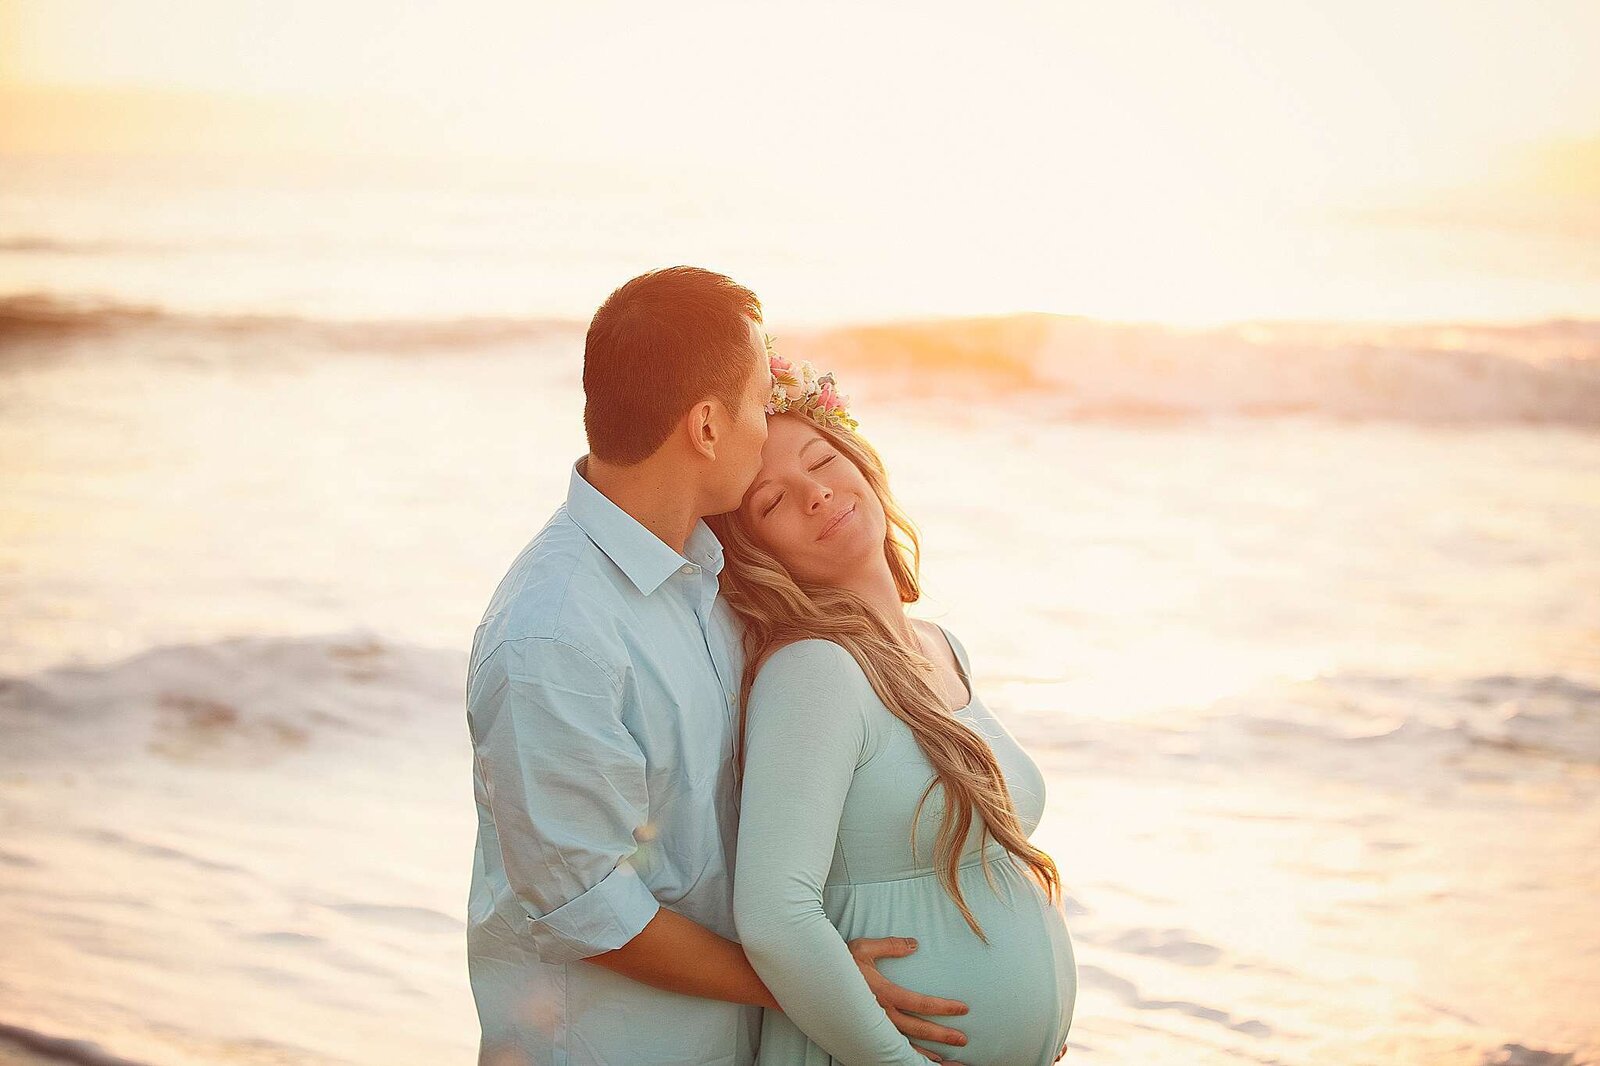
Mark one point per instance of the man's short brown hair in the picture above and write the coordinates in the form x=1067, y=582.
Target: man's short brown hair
x=658, y=345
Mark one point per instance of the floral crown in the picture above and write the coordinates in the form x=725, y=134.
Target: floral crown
x=801, y=390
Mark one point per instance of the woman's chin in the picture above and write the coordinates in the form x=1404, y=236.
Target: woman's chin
x=840, y=557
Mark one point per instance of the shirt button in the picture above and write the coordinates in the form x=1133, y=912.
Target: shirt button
x=689, y=569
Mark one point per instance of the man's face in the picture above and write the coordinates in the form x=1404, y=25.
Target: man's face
x=741, y=451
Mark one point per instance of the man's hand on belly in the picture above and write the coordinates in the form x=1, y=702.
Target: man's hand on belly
x=902, y=1003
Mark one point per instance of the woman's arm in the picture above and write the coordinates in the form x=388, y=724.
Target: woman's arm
x=806, y=735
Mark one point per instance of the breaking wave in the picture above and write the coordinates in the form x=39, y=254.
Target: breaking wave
x=1056, y=367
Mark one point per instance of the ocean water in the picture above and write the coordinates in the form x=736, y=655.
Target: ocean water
x=1300, y=622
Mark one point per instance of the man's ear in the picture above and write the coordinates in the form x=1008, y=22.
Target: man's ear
x=701, y=423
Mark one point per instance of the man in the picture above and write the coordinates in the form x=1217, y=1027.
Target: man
x=601, y=698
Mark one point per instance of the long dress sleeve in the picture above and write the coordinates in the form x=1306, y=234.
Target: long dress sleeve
x=807, y=732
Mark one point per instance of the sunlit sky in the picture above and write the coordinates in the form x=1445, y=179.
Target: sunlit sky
x=1108, y=127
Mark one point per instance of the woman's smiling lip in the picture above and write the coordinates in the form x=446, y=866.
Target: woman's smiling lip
x=838, y=520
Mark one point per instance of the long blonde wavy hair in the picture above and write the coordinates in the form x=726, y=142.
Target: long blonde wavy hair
x=778, y=610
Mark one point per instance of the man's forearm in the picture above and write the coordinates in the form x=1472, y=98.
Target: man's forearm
x=681, y=955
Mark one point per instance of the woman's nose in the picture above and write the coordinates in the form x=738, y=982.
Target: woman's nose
x=820, y=495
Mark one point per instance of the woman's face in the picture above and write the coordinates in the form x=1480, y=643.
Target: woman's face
x=811, y=507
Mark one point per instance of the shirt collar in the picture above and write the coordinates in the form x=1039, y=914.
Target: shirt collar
x=639, y=553
x=704, y=547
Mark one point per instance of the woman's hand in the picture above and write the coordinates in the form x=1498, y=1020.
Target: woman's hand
x=902, y=1003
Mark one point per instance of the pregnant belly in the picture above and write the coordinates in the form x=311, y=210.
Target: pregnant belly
x=1019, y=988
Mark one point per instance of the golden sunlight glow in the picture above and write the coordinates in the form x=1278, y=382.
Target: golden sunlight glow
x=1141, y=160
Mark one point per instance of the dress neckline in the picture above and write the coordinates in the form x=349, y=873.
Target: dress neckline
x=961, y=671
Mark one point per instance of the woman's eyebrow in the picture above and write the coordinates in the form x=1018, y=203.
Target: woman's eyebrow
x=758, y=486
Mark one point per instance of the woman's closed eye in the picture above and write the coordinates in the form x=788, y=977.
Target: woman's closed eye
x=818, y=465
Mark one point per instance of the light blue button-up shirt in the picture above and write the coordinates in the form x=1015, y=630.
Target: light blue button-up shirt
x=601, y=697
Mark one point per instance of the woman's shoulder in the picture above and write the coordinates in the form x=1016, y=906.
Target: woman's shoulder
x=815, y=688
x=813, y=658
x=813, y=671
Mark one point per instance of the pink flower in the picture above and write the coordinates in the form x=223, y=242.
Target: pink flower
x=780, y=365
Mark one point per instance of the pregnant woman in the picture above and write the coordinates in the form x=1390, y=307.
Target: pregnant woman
x=879, y=795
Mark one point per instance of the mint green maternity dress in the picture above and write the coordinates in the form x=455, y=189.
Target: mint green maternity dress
x=824, y=855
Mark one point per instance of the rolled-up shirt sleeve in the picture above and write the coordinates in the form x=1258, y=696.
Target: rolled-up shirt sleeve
x=565, y=784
